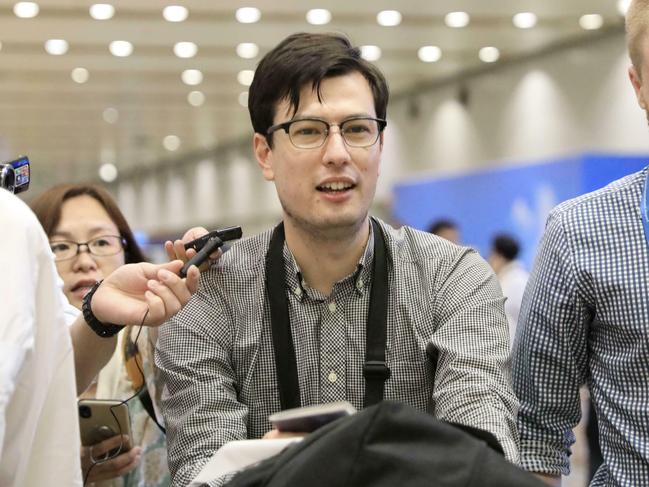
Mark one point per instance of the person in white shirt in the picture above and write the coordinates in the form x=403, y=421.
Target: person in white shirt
x=511, y=275
x=39, y=434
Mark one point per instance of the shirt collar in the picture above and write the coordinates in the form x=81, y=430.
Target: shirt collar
x=361, y=277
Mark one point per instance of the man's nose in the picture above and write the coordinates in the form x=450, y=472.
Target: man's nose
x=336, y=150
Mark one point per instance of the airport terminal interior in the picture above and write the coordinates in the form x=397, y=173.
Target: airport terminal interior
x=499, y=110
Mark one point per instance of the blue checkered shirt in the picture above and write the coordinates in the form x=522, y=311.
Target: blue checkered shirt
x=217, y=361
x=585, y=320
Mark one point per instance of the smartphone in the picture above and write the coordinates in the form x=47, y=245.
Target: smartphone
x=310, y=418
x=100, y=419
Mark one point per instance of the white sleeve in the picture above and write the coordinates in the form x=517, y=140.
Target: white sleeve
x=18, y=291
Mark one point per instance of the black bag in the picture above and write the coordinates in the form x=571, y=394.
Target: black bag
x=389, y=445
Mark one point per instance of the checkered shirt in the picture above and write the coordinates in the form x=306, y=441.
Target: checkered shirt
x=217, y=361
x=585, y=319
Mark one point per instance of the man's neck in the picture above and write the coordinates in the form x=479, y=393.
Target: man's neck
x=324, y=259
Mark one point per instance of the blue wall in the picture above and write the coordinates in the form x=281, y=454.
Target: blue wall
x=515, y=200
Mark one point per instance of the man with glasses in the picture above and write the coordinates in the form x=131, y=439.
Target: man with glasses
x=331, y=304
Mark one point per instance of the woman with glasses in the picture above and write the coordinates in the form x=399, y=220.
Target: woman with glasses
x=90, y=238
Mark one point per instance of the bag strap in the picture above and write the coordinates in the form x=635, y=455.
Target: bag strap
x=375, y=371
x=285, y=361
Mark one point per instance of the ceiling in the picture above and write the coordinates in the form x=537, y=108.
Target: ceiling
x=61, y=124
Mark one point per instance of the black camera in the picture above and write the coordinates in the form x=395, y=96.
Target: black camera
x=14, y=175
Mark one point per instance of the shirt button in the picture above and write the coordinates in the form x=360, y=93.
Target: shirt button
x=297, y=291
x=332, y=377
x=332, y=307
x=359, y=284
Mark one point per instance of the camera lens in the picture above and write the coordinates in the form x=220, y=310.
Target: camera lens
x=85, y=411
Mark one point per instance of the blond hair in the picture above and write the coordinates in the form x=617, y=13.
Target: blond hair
x=637, y=21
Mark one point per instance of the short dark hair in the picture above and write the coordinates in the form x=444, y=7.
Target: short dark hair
x=505, y=245
x=47, y=207
x=302, y=59
x=439, y=225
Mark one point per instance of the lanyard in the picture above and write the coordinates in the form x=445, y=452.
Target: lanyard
x=644, y=206
x=375, y=370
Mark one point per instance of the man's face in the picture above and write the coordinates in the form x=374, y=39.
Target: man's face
x=330, y=188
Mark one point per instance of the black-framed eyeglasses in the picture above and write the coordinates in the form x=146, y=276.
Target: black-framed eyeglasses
x=311, y=133
x=101, y=246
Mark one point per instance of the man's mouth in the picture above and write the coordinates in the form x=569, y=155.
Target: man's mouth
x=335, y=187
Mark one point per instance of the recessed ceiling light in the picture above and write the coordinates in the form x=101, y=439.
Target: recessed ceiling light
x=110, y=115
x=245, y=77
x=525, y=20
x=175, y=13
x=457, y=19
x=120, y=48
x=318, y=16
x=591, y=21
x=26, y=10
x=388, y=18
x=247, y=50
x=185, y=49
x=80, y=75
x=243, y=99
x=371, y=53
x=108, y=173
x=623, y=6
x=56, y=47
x=248, y=15
x=196, y=98
x=489, y=54
x=192, y=77
x=171, y=142
x=429, y=54
x=102, y=11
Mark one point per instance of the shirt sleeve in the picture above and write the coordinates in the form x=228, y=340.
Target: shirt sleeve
x=549, y=356
x=473, y=381
x=199, y=401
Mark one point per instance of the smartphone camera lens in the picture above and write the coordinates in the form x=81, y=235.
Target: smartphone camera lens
x=85, y=411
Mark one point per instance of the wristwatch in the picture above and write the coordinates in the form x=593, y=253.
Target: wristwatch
x=104, y=330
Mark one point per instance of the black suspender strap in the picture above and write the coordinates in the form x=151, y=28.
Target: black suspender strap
x=375, y=370
x=285, y=362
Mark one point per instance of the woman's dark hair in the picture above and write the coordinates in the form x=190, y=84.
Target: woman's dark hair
x=303, y=59
x=47, y=207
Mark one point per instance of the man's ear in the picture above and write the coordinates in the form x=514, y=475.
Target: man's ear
x=636, y=81
x=264, y=156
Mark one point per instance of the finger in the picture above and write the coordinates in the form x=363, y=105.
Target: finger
x=118, y=466
x=99, y=449
x=276, y=435
x=169, y=249
x=171, y=303
x=191, y=281
x=181, y=253
x=179, y=286
x=216, y=255
x=156, y=314
x=194, y=233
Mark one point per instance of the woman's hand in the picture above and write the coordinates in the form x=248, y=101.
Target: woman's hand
x=108, y=469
